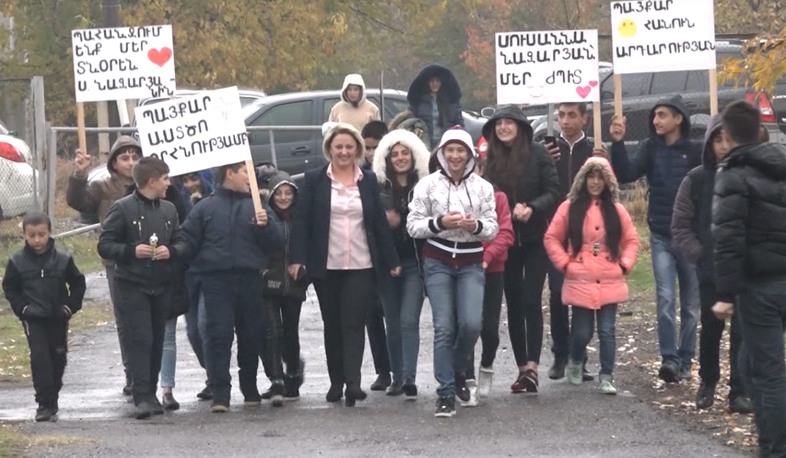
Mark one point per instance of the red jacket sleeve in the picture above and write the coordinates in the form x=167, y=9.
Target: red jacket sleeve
x=555, y=237
x=497, y=249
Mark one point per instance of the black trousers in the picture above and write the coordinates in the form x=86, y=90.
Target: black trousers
x=377, y=337
x=283, y=338
x=560, y=316
x=141, y=320
x=710, y=341
x=523, y=294
x=48, y=342
x=344, y=296
x=489, y=333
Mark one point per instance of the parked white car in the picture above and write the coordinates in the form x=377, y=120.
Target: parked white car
x=17, y=191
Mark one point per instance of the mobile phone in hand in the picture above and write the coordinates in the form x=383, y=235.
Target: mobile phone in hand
x=550, y=140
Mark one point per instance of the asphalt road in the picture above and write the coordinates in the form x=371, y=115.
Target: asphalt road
x=561, y=421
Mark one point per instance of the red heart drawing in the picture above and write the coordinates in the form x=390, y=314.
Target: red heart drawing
x=159, y=57
x=583, y=91
x=593, y=83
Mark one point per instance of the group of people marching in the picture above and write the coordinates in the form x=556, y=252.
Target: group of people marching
x=388, y=222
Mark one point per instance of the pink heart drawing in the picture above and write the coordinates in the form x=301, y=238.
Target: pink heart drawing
x=583, y=91
x=593, y=83
x=159, y=57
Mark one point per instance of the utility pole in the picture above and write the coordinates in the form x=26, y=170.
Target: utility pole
x=107, y=111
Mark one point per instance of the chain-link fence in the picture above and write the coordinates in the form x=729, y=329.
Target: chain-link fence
x=20, y=184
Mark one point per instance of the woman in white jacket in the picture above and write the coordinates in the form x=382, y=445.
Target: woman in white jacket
x=454, y=209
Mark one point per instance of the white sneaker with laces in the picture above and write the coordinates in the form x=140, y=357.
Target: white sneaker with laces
x=472, y=386
x=485, y=378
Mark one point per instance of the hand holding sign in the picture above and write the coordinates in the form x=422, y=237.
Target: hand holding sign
x=82, y=163
x=618, y=128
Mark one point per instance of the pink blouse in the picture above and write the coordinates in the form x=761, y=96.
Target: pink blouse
x=347, y=241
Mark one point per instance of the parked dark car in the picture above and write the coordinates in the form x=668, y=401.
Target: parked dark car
x=642, y=90
x=300, y=150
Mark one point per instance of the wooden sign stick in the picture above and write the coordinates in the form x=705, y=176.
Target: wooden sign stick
x=597, y=125
x=252, y=182
x=713, y=91
x=80, y=125
x=617, y=95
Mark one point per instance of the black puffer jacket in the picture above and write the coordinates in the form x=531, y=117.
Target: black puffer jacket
x=131, y=221
x=419, y=99
x=691, y=225
x=35, y=284
x=749, y=217
x=665, y=166
x=538, y=185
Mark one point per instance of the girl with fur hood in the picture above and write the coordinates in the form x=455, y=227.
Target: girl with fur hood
x=593, y=240
x=354, y=108
x=454, y=210
x=435, y=98
x=401, y=160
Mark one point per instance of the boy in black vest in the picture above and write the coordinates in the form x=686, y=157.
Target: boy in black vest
x=691, y=230
x=45, y=289
x=141, y=233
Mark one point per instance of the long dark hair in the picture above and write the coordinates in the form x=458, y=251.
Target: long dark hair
x=505, y=164
x=611, y=220
x=401, y=192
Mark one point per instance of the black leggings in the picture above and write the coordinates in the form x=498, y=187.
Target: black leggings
x=283, y=340
x=525, y=316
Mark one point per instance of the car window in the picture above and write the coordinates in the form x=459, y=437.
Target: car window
x=290, y=114
x=668, y=82
x=698, y=81
x=247, y=100
x=328, y=105
x=633, y=84
x=395, y=106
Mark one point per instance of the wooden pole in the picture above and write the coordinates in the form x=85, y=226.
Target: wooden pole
x=597, y=126
x=80, y=124
x=617, y=95
x=252, y=182
x=713, y=91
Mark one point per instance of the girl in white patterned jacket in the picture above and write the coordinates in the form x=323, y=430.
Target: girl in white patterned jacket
x=454, y=209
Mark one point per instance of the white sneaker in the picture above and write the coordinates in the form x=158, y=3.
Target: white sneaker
x=607, y=386
x=472, y=386
x=486, y=376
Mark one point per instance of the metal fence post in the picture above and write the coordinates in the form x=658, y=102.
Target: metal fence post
x=273, y=157
x=51, y=178
x=40, y=136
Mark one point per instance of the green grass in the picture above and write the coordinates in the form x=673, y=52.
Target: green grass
x=642, y=280
x=12, y=442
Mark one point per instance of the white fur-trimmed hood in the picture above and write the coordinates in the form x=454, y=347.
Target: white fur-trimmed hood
x=420, y=154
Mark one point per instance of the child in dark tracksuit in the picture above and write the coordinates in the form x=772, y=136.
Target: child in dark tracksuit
x=45, y=289
x=141, y=233
x=284, y=297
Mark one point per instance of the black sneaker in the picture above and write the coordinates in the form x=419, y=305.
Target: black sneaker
x=128, y=388
x=143, y=410
x=410, y=390
x=395, y=389
x=586, y=375
x=158, y=408
x=669, y=372
x=557, y=370
x=741, y=405
x=292, y=387
x=446, y=407
x=219, y=407
x=268, y=394
x=206, y=394
x=43, y=413
x=277, y=394
x=461, y=388
x=169, y=402
x=381, y=383
x=705, y=397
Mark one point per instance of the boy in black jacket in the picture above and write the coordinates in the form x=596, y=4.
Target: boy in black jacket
x=141, y=233
x=229, y=243
x=35, y=285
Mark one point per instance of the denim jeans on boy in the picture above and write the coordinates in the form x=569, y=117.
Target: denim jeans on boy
x=762, y=311
x=233, y=304
x=169, y=356
x=669, y=266
x=456, y=297
x=583, y=328
x=403, y=302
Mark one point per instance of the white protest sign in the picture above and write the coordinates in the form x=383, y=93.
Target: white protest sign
x=195, y=133
x=547, y=67
x=663, y=35
x=123, y=63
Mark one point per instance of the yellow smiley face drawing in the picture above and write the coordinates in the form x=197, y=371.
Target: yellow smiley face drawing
x=627, y=28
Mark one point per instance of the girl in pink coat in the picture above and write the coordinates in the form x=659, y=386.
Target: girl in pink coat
x=602, y=244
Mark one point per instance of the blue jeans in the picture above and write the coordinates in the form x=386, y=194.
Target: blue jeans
x=169, y=356
x=233, y=304
x=403, y=302
x=582, y=330
x=668, y=266
x=456, y=297
x=762, y=310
